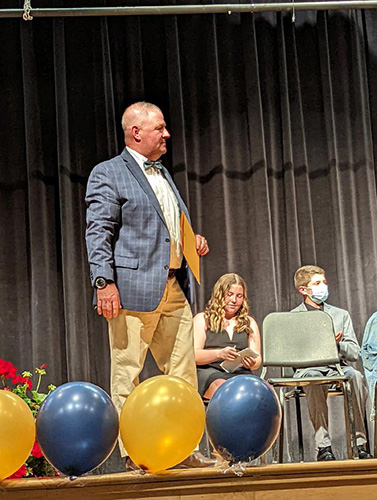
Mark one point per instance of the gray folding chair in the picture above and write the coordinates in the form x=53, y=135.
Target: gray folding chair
x=302, y=340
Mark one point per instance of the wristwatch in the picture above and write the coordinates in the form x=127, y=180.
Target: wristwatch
x=100, y=283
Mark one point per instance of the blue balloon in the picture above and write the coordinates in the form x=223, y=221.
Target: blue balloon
x=243, y=418
x=77, y=427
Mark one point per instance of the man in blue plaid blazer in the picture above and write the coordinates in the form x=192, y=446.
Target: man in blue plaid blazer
x=141, y=279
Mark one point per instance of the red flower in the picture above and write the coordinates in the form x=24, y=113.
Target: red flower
x=42, y=367
x=7, y=369
x=19, y=473
x=18, y=380
x=22, y=380
x=36, y=451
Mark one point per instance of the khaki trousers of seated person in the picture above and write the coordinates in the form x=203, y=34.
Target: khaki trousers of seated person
x=167, y=332
x=316, y=397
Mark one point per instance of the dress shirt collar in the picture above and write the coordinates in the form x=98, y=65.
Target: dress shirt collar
x=311, y=308
x=138, y=157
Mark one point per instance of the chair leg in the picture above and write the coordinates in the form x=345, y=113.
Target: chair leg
x=207, y=444
x=281, y=434
x=367, y=433
x=350, y=422
x=299, y=428
x=276, y=454
x=374, y=422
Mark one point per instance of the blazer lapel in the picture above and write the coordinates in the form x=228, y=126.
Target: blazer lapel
x=143, y=181
x=181, y=203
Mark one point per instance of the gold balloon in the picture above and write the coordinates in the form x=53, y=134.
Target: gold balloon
x=162, y=422
x=17, y=433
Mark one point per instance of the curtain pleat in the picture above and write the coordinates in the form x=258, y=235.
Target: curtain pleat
x=274, y=139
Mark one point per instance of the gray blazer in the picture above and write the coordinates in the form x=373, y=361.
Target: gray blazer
x=348, y=346
x=127, y=239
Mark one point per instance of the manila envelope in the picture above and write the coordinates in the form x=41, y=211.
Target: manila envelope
x=188, y=242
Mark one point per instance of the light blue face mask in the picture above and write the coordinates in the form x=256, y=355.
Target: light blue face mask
x=320, y=293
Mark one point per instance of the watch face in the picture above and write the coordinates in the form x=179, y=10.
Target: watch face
x=100, y=283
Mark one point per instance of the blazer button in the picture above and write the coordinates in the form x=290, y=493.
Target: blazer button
x=166, y=267
x=167, y=240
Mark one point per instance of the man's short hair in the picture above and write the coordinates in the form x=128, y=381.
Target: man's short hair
x=137, y=112
x=305, y=273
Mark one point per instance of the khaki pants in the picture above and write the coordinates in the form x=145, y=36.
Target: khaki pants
x=316, y=397
x=167, y=331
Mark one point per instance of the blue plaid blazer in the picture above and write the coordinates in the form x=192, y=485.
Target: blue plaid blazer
x=127, y=239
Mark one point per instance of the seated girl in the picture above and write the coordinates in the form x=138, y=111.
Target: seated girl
x=222, y=331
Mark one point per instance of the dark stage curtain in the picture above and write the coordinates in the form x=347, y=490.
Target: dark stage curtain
x=273, y=147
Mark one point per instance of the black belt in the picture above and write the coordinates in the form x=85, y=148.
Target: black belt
x=172, y=273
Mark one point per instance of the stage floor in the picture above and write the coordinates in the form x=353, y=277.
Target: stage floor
x=348, y=480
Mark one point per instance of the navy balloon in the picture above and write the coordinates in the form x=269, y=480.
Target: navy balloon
x=77, y=427
x=243, y=418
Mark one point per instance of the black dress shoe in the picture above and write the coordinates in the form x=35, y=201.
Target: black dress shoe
x=362, y=452
x=325, y=454
x=196, y=459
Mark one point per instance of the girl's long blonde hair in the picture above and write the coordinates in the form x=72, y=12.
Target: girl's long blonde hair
x=215, y=310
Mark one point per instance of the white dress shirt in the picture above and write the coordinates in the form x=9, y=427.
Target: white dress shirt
x=168, y=203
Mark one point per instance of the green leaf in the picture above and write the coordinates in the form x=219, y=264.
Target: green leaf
x=38, y=397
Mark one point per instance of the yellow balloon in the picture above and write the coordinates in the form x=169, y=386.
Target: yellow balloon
x=162, y=422
x=17, y=433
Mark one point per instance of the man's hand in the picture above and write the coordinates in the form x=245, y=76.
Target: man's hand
x=338, y=337
x=108, y=301
x=201, y=245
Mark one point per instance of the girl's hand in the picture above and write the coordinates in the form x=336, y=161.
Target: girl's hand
x=228, y=353
x=248, y=362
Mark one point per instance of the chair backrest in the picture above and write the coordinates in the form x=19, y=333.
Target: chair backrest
x=299, y=339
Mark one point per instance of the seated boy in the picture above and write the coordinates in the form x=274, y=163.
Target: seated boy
x=310, y=282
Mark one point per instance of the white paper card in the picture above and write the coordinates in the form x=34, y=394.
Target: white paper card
x=231, y=366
